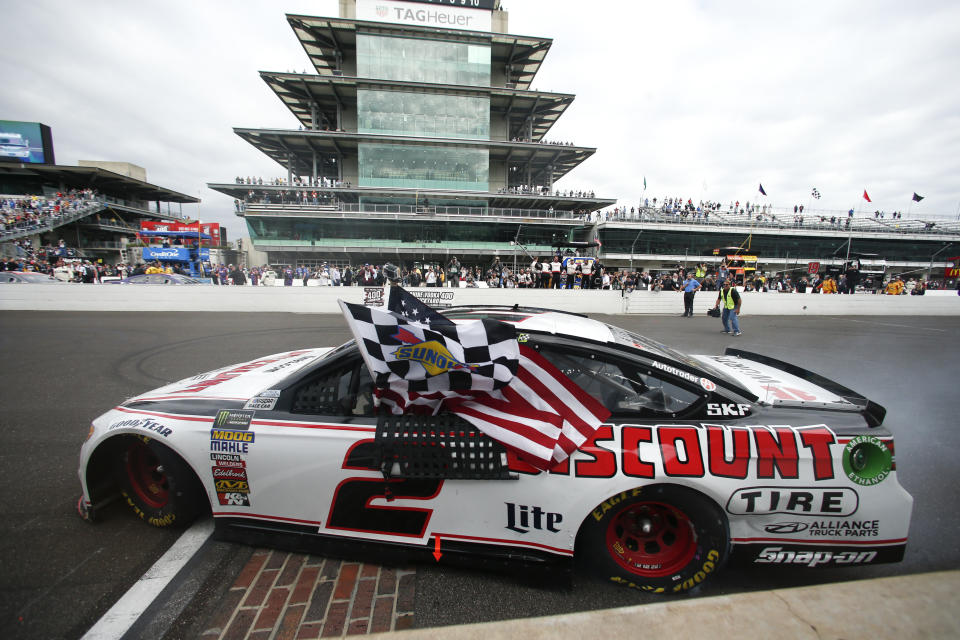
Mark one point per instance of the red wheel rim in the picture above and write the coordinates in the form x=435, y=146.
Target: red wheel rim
x=146, y=476
x=651, y=539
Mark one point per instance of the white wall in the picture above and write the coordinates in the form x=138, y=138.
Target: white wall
x=108, y=297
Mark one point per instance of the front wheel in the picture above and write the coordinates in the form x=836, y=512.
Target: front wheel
x=159, y=486
x=660, y=539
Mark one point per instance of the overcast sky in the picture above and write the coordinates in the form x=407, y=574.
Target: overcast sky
x=706, y=99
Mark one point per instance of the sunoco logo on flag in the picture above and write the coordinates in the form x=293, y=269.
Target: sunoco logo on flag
x=434, y=357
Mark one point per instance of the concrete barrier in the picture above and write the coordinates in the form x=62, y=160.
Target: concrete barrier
x=109, y=297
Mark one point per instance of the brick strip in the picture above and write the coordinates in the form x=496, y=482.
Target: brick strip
x=292, y=596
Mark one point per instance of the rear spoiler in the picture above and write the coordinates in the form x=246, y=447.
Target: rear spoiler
x=871, y=411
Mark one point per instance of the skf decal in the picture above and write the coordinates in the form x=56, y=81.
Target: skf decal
x=233, y=419
x=726, y=409
x=434, y=356
x=521, y=518
x=142, y=423
x=799, y=501
x=777, y=555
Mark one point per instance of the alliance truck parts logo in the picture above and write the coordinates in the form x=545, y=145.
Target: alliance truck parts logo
x=827, y=528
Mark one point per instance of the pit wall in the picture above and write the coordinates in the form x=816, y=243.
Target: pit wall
x=107, y=297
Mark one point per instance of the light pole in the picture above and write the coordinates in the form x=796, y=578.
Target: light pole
x=632, y=247
x=930, y=270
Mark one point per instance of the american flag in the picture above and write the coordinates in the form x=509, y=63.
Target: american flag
x=544, y=416
x=514, y=395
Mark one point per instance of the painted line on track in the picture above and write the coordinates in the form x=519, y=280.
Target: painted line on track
x=125, y=612
x=891, y=324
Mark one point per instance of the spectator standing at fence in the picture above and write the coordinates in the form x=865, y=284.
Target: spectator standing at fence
x=587, y=270
x=237, y=276
x=545, y=273
x=730, y=299
x=829, y=285
x=453, y=272
x=690, y=287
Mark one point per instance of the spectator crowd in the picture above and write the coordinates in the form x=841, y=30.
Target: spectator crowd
x=32, y=213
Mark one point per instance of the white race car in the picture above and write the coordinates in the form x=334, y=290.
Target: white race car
x=702, y=457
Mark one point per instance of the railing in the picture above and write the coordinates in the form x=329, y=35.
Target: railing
x=281, y=210
x=440, y=246
x=49, y=222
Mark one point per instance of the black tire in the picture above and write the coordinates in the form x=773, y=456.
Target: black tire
x=662, y=539
x=157, y=484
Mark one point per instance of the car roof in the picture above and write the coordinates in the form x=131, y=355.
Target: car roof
x=583, y=329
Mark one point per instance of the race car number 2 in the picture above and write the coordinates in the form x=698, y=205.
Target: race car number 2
x=352, y=508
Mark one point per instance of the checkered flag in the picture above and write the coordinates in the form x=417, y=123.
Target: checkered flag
x=478, y=371
x=415, y=362
x=815, y=193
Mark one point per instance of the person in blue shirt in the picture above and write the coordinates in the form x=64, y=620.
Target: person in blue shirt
x=690, y=288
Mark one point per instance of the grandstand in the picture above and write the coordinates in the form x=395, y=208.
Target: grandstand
x=418, y=143
x=413, y=142
x=95, y=211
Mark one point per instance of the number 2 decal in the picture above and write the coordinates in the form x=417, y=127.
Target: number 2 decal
x=352, y=508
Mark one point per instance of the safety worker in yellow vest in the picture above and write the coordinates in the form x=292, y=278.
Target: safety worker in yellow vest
x=730, y=299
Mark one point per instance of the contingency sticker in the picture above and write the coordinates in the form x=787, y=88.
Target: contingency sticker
x=261, y=402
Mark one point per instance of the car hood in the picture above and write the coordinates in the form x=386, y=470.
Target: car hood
x=236, y=382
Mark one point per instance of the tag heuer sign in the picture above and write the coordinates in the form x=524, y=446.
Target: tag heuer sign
x=466, y=4
x=468, y=15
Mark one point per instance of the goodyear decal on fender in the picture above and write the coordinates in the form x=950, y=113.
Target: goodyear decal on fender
x=233, y=436
x=434, y=357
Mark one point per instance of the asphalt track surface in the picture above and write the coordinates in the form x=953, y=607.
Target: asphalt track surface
x=59, y=370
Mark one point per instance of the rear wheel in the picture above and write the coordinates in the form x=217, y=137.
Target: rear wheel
x=157, y=484
x=661, y=539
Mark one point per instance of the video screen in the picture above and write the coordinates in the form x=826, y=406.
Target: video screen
x=25, y=142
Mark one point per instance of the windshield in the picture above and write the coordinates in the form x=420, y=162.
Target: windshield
x=643, y=343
